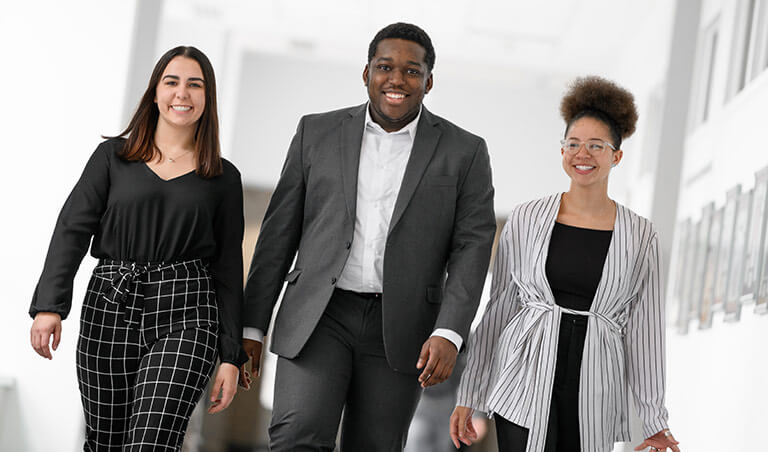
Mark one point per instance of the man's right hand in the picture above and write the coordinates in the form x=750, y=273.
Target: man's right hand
x=253, y=350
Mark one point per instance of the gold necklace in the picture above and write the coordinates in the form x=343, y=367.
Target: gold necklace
x=173, y=159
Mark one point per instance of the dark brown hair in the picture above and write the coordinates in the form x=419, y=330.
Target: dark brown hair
x=600, y=99
x=140, y=133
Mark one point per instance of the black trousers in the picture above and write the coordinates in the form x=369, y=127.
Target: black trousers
x=343, y=368
x=147, y=347
x=563, y=423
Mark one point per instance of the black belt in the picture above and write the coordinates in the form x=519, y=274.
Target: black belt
x=367, y=295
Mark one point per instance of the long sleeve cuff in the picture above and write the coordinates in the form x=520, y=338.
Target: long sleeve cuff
x=231, y=351
x=451, y=335
x=254, y=334
x=654, y=426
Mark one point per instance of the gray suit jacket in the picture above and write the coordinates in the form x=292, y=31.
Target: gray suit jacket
x=437, y=250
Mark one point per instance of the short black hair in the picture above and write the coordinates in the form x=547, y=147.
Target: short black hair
x=409, y=32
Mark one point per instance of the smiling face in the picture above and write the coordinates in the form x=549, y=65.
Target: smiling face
x=397, y=79
x=180, y=94
x=587, y=169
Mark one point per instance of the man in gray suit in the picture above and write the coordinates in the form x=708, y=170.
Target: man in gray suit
x=391, y=211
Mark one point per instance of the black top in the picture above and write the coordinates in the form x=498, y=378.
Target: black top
x=134, y=215
x=575, y=264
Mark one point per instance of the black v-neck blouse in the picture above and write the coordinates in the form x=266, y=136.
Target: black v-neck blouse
x=134, y=215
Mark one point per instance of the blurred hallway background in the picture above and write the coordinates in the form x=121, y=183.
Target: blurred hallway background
x=72, y=71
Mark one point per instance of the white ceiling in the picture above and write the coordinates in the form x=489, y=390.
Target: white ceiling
x=564, y=36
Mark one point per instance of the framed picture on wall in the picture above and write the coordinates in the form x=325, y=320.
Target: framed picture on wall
x=761, y=300
x=761, y=289
x=681, y=235
x=710, y=268
x=738, y=255
x=725, y=249
x=689, y=275
x=752, y=261
x=682, y=279
x=701, y=244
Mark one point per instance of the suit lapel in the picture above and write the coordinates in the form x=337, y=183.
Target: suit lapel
x=351, y=142
x=424, y=145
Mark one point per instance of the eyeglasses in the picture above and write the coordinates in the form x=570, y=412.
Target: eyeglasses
x=594, y=146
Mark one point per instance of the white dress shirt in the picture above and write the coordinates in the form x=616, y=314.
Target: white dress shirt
x=513, y=352
x=383, y=159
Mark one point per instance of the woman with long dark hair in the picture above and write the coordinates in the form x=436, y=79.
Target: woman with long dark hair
x=163, y=213
x=575, y=323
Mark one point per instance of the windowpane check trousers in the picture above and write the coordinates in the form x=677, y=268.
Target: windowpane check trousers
x=147, y=348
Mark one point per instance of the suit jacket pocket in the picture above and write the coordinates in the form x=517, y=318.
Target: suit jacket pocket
x=291, y=277
x=434, y=295
x=441, y=181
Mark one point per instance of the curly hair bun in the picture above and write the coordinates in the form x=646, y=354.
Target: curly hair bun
x=596, y=93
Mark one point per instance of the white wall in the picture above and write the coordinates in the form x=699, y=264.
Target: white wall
x=717, y=377
x=63, y=84
x=641, y=67
x=275, y=90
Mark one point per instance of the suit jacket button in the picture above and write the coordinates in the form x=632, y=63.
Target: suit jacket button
x=348, y=245
x=333, y=281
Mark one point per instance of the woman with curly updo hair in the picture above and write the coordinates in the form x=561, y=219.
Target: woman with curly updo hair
x=575, y=322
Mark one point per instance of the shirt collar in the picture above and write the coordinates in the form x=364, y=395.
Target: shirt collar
x=409, y=128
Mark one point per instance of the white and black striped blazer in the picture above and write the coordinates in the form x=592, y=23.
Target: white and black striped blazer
x=512, y=352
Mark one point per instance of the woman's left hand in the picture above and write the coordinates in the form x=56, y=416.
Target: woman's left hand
x=224, y=387
x=660, y=442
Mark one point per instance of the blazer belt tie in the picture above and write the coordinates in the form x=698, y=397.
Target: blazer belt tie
x=546, y=307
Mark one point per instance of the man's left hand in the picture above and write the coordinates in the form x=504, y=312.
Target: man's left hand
x=438, y=356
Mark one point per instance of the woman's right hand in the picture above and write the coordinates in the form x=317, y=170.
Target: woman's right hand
x=461, y=426
x=45, y=325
